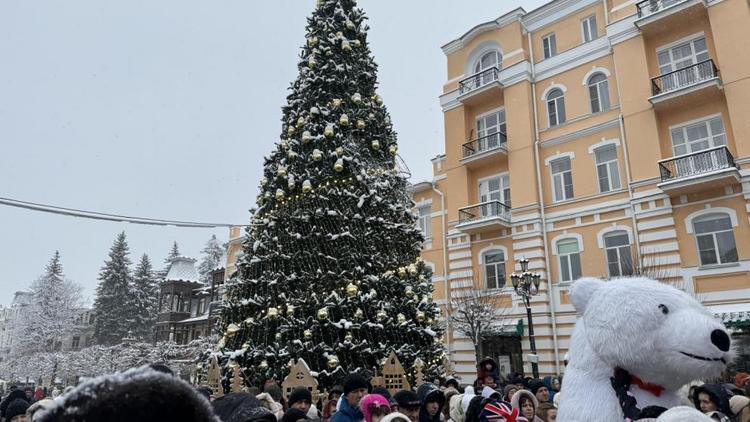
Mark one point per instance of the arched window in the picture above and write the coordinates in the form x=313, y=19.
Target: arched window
x=556, y=107
x=715, y=238
x=617, y=248
x=494, y=269
x=598, y=92
x=488, y=60
x=569, y=256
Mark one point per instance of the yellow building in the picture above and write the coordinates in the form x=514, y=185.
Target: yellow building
x=234, y=249
x=620, y=129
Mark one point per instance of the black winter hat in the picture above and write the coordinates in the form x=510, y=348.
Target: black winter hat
x=241, y=407
x=383, y=392
x=15, y=408
x=300, y=394
x=14, y=394
x=141, y=394
x=407, y=398
x=354, y=382
x=535, y=385
x=339, y=389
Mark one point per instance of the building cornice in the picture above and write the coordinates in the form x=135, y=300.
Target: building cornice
x=459, y=43
x=581, y=133
x=554, y=11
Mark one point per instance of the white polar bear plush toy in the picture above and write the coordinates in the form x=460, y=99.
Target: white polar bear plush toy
x=655, y=337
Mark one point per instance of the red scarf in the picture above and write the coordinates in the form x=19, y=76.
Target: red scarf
x=654, y=389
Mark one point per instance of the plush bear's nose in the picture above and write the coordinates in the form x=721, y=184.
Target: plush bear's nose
x=720, y=339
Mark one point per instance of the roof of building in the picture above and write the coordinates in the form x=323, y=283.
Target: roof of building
x=200, y=318
x=182, y=268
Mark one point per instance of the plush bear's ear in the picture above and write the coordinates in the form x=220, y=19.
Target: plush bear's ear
x=581, y=293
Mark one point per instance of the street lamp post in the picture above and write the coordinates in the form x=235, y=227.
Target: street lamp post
x=526, y=285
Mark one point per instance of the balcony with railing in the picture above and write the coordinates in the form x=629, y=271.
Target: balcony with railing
x=666, y=11
x=689, y=80
x=483, y=217
x=485, y=148
x=698, y=171
x=478, y=87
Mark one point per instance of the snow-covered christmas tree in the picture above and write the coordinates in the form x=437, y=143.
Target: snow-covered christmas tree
x=143, y=300
x=113, y=318
x=331, y=271
x=213, y=257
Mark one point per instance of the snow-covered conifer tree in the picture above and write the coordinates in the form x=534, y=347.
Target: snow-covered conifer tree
x=113, y=316
x=51, y=313
x=144, y=298
x=213, y=253
x=331, y=270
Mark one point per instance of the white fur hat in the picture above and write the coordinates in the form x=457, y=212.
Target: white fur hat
x=515, y=400
x=683, y=414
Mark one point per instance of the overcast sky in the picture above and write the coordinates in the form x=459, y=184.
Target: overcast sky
x=166, y=108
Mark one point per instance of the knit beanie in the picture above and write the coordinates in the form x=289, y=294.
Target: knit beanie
x=355, y=382
x=15, y=408
x=300, y=394
x=407, y=398
x=737, y=403
x=535, y=385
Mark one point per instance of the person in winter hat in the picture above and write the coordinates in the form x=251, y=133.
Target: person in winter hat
x=449, y=393
x=553, y=386
x=395, y=417
x=276, y=408
x=432, y=400
x=452, y=382
x=540, y=390
x=526, y=403
x=294, y=415
x=712, y=398
x=491, y=393
x=508, y=392
x=355, y=388
x=455, y=408
x=241, y=407
x=488, y=369
x=374, y=407
x=740, y=406
x=498, y=411
x=14, y=394
x=300, y=398
x=408, y=404
x=547, y=412
x=141, y=394
x=16, y=411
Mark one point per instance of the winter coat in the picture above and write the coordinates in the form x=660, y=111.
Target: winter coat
x=718, y=395
x=241, y=407
x=372, y=400
x=293, y=415
x=269, y=403
x=456, y=409
x=548, y=383
x=427, y=393
x=516, y=400
x=141, y=394
x=347, y=413
x=14, y=394
x=483, y=372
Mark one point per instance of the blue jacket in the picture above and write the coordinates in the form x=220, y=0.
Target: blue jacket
x=347, y=413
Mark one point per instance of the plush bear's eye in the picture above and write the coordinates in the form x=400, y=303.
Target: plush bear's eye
x=664, y=309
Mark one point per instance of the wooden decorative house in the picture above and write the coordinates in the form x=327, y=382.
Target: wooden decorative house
x=394, y=375
x=300, y=376
x=213, y=378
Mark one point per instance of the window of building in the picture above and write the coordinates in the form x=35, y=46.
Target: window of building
x=619, y=258
x=598, y=93
x=549, y=45
x=562, y=179
x=489, y=130
x=569, y=255
x=588, y=28
x=495, y=188
x=494, y=269
x=488, y=60
x=76, y=342
x=556, y=107
x=606, y=168
x=424, y=220
x=698, y=136
x=682, y=55
x=715, y=239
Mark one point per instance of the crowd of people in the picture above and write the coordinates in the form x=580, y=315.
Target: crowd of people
x=153, y=393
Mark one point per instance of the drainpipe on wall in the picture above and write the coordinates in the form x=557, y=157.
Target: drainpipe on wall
x=446, y=282
x=636, y=236
x=540, y=192
x=606, y=13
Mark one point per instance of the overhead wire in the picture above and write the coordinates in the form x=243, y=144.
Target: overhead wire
x=103, y=216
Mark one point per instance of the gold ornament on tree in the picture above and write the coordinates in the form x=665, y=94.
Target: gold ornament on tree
x=359, y=314
x=345, y=45
x=340, y=151
x=360, y=124
x=412, y=269
x=376, y=145
x=336, y=102
x=306, y=136
x=339, y=165
x=402, y=271
x=279, y=194
x=409, y=291
x=344, y=120
x=306, y=186
x=307, y=334
x=349, y=24
x=401, y=318
x=290, y=130
x=311, y=62
x=393, y=149
x=352, y=289
x=348, y=338
x=356, y=43
x=357, y=98
x=300, y=122
x=281, y=171
x=278, y=336
x=263, y=181
x=273, y=312
x=323, y=314
x=421, y=316
x=381, y=315
x=317, y=155
x=290, y=310
x=328, y=132
x=263, y=364
x=333, y=362
x=312, y=41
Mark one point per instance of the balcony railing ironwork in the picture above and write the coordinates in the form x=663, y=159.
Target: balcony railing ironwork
x=696, y=164
x=478, y=80
x=485, y=143
x=685, y=77
x=649, y=7
x=485, y=210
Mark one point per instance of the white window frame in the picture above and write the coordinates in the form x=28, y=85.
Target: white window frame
x=424, y=221
x=619, y=251
x=690, y=39
x=499, y=127
x=559, y=104
x=589, y=32
x=477, y=68
x=549, y=45
x=563, y=194
x=711, y=137
x=697, y=215
x=555, y=251
x=485, y=195
x=610, y=167
x=490, y=251
x=602, y=91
